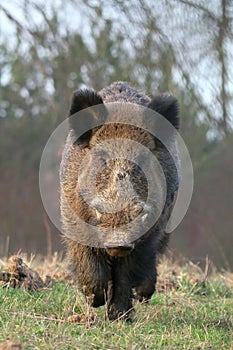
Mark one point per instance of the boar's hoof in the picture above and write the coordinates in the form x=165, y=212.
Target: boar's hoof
x=119, y=313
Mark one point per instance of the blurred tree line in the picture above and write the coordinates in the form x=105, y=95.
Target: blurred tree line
x=49, y=49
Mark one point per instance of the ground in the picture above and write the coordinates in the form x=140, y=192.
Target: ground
x=192, y=309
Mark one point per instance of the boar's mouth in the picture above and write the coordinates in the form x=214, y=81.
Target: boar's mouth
x=120, y=251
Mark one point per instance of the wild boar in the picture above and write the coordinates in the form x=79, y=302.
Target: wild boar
x=118, y=268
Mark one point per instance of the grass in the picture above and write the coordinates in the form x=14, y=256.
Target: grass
x=191, y=310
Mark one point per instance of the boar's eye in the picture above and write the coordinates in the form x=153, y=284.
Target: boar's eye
x=103, y=162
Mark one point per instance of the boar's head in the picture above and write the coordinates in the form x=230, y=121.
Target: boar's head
x=104, y=172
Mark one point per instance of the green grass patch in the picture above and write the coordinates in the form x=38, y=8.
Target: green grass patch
x=189, y=311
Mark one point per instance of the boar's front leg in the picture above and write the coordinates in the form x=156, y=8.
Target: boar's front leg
x=92, y=272
x=146, y=290
x=119, y=291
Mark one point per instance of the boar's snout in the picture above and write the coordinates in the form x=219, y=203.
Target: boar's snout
x=119, y=251
x=122, y=174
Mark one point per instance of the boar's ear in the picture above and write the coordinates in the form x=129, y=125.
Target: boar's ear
x=83, y=99
x=167, y=106
x=84, y=127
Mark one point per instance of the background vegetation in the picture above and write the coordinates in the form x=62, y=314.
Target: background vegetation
x=50, y=48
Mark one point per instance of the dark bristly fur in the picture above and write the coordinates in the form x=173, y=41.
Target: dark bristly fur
x=110, y=274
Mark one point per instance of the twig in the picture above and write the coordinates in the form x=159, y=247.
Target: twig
x=40, y=317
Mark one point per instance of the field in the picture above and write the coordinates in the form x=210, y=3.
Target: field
x=192, y=309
